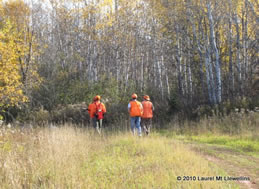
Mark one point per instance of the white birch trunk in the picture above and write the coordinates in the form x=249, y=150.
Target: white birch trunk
x=238, y=62
x=189, y=77
x=231, y=81
x=142, y=73
x=216, y=52
x=178, y=58
x=245, y=44
x=160, y=67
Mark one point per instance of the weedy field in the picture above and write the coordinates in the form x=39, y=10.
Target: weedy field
x=231, y=142
x=69, y=157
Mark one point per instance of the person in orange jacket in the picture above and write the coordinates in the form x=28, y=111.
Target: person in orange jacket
x=96, y=111
x=147, y=115
x=135, y=110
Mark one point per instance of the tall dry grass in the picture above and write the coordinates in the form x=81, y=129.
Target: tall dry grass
x=235, y=124
x=69, y=157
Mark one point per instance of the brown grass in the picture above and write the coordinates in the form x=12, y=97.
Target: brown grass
x=69, y=157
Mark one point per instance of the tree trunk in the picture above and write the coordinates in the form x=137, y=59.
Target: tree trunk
x=216, y=52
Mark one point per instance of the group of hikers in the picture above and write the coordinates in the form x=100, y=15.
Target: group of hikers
x=141, y=114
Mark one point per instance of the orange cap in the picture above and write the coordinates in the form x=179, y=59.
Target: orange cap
x=134, y=96
x=97, y=97
x=146, y=97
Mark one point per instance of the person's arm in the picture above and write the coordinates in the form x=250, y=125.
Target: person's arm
x=141, y=108
x=89, y=109
x=103, y=108
x=129, y=106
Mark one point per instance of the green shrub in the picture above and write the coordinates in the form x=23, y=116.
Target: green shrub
x=75, y=113
x=39, y=117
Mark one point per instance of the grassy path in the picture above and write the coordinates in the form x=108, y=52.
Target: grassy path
x=235, y=164
x=68, y=157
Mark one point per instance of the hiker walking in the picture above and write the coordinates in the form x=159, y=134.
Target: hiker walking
x=135, y=110
x=147, y=115
x=96, y=111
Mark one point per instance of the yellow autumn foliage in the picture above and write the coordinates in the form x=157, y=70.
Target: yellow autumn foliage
x=10, y=79
x=18, y=49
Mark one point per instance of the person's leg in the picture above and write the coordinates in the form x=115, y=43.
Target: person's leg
x=137, y=122
x=144, y=125
x=97, y=125
x=149, y=125
x=93, y=120
x=100, y=124
x=98, y=129
x=132, y=125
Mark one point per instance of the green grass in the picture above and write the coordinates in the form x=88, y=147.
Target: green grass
x=238, y=132
x=77, y=158
x=246, y=144
x=147, y=163
x=230, y=142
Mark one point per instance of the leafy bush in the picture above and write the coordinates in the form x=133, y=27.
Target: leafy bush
x=40, y=117
x=75, y=113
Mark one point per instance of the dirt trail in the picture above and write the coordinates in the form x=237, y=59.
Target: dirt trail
x=234, y=163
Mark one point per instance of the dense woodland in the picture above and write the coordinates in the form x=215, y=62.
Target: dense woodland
x=189, y=56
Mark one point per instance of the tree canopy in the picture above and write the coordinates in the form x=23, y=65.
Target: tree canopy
x=198, y=52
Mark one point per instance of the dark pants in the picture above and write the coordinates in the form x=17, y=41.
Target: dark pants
x=97, y=124
x=146, y=124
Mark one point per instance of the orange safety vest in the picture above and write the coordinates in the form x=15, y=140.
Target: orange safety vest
x=92, y=108
x=135, y=109
x=100, y=109
x=147, y=109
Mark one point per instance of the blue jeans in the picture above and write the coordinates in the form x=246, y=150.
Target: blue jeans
x=135, y=122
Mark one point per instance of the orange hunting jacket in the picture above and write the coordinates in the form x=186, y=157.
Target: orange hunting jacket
x=136, y=109
x=147, y=109
x=92, y=108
